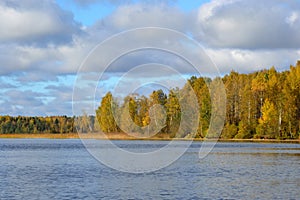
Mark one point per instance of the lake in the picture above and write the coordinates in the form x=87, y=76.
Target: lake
x=64, y=169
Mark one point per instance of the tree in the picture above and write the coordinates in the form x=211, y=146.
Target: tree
x=105, y=114
x=264, y=104
x=83, y=123
x=129, y=120
x=157, y=112
x=173, y=112
x=291, y=105
x=258, y=87
x=143, y=111
x=268, y=122
x=248, y=121
x=233, y=86
x=189, y=107
x=200, y=87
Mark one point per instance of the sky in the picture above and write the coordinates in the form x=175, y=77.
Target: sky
x=51, y=48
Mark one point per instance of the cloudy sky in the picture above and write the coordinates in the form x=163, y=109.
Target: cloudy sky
x=43, y=43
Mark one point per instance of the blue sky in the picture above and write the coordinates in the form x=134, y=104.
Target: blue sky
x=43, y=44
x=87, y=14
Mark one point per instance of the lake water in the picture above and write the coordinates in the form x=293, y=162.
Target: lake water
x=63, y=169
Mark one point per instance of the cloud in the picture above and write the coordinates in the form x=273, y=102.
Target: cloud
x=18, y=102
x=246, y=61
x=269, y=24
x=237, y=34
x=33, y=103
x=42, y=62
x=4, y=85
x=41, y=44
x=269, y=30
x=120, y=2
x=143, y=15
x=35, y=22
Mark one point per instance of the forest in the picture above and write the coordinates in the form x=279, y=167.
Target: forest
x=260, y=105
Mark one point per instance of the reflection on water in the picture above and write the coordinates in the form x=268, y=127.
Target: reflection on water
x=63, y=169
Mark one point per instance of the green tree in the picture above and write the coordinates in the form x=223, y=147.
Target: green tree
x=200, y=87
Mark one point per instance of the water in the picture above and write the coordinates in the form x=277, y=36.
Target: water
x=63, y=169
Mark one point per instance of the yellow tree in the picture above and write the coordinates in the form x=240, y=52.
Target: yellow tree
x=157, y=104
x=105, y=114
x=268, y=123
x=143, y=111
x=291, y=106
x=173, y=112
x=129, y=121
x=233, y=85
x=258, y=87
x=248, y=121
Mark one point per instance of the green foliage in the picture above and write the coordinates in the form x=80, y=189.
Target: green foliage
x=200, y=88
x=20, y=124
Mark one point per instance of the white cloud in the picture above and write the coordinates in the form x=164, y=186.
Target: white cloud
x=246, y=61
x=292, y=18
x=37, y=22
x=39, y=42
x=251, y=24
x=120, y=2
x=17, y=102
x=15, y=58
x=143, y=15
x=235, y=24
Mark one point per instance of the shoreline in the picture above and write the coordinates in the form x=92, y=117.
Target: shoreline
x=119, y=136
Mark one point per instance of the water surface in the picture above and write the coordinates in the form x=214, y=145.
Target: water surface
x=63, y=169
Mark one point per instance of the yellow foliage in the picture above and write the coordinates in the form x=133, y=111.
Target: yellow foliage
x=269, y=113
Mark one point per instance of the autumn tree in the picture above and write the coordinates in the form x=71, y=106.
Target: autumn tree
x=105, y=114
x=248, y=121
x=157, y=111
x=173, y=112
x=129, y=119
x=200, y=87
x=268, y=123
x=263, y=104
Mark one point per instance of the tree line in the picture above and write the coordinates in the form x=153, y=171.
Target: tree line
x=22, y=124
x=49, y=124
x=263, y=104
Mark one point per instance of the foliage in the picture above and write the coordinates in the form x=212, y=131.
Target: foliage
x=264, y=104
x=53, y=124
